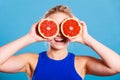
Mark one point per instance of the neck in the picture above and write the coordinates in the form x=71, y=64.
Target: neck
x=57, y=54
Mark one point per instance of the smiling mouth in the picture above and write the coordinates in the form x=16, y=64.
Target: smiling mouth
x=60, y=39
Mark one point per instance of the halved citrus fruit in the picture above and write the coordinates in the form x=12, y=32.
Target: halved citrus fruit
x=48, y=28
x=71, y=28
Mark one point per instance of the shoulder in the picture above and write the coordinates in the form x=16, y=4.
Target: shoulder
x=31, y=62
x=28, y=56
x=85, y=61
x=84, y=58
x=82, y=61
x=80, y=65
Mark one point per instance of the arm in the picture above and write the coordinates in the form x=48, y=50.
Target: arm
x=110, y=58
x=110, y=63
x=8, y=61
x=98, y=67
x=10, y=49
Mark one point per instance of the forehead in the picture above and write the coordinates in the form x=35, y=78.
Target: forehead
x=59, y=17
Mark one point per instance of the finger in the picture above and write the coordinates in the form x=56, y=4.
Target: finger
x=37, y=23
x=83, y=24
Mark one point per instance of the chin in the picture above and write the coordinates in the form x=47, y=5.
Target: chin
x=58, y=47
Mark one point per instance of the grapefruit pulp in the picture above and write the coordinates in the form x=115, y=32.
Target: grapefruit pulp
x=48, y=28
x=71, y=28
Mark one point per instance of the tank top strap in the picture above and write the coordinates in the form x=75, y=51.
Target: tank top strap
x=40, y=60
x=42, y=54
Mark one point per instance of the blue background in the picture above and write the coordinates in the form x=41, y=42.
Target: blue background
x=102, y=18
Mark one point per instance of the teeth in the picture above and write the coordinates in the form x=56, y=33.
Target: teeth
x=58, y=39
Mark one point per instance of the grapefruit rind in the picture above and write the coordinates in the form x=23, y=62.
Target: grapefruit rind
x=71, y=28
x=48, y=28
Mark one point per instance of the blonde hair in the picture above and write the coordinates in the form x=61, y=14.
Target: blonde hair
x=59, y=8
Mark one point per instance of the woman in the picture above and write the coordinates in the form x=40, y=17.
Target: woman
x=57, y=63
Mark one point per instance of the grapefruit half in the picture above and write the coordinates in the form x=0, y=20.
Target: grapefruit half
x=48, y=28
x=71, y=28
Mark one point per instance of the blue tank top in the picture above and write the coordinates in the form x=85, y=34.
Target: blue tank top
x=49, y=69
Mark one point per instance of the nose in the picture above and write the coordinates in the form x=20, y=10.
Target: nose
x=59, y=34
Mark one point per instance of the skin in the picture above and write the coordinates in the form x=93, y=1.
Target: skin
x=109, y=64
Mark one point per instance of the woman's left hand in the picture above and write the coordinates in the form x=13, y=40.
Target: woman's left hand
x=82, y=38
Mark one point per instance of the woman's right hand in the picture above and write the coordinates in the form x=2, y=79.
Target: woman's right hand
x=35, y=36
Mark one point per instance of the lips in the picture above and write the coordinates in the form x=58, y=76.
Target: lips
x=59, y=39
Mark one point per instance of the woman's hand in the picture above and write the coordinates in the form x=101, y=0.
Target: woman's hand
x=35, y=36
x=82, y=38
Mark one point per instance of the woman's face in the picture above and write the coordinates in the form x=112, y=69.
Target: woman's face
x=59, y=42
